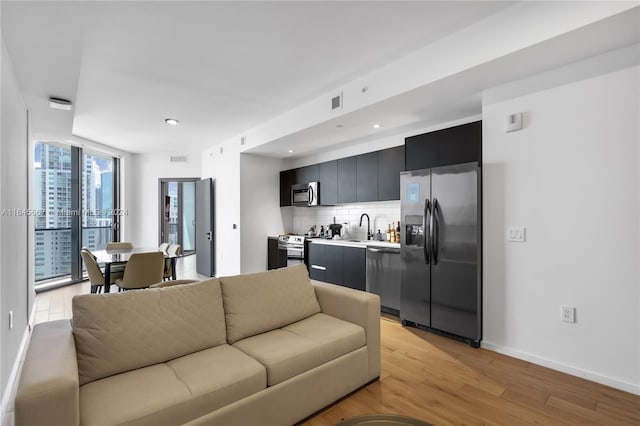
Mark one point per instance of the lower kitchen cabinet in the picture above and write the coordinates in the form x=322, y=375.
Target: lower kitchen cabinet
x=333, y=256
x=276, y=257
x=337, y=264
x=355, y=261
x=317, y=262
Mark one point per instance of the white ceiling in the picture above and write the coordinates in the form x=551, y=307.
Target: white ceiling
x=460, y=95
x=219, y=67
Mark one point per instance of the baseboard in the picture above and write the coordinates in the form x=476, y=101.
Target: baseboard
x=15, y=370
x=554, y=365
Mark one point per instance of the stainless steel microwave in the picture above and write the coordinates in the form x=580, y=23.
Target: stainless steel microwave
x=305, y=194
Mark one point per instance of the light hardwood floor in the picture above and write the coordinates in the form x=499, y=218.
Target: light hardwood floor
x=444, y=382
x=447, y=382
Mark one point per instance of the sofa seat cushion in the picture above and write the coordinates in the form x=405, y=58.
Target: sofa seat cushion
x=302, y=346
x=265, y=301
x=174, y=392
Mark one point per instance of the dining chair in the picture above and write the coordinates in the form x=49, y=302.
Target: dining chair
x=163, y=246
x=96, y=277
x=120, y=245
x=174, y=249
x=142, y=270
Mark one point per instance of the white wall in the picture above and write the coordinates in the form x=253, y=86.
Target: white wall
x=259, y=209
x=15, y=287
x=222, y=164
x=571, y=177
x=142, y=172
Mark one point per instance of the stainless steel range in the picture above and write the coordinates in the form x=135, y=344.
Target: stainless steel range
x=294, y=245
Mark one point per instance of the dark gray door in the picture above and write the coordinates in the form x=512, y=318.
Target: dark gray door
x=415, y=191
x=205, y=247
x=455, y=283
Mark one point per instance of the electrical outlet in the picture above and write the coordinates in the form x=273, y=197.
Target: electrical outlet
x=568, y=313
x=516, y=234
x=10, y=320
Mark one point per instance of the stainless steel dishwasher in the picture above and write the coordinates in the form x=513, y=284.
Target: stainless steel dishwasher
x=383, y=276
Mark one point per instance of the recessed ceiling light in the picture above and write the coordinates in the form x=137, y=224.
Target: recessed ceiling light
x=171, y=121
x=290, y=151
x=59, y=103
x=376, y=126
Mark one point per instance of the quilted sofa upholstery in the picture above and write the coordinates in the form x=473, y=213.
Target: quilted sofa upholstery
x=269, y=348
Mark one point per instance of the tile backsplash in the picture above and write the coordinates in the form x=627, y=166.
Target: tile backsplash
x=382, y=213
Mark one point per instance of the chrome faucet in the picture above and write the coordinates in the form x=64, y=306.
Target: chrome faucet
x=368, y=225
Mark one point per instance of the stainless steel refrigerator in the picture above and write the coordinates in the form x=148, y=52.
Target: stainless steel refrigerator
x=441, y=250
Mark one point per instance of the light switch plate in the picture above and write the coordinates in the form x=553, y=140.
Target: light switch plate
x=568, y=313
x=516, y=234
x=514, y=122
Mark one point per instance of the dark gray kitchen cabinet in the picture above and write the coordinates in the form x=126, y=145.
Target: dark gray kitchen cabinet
x=367, y=177
x=276, y=257
x=390, y=165
x=421, y=151
x=460, y=144
x=307, y=174
x=346, y=180
x=355, y=275
x=317, y=262
x=334, y=264
x=328, y=178
x=455, y=145
x=287, y=178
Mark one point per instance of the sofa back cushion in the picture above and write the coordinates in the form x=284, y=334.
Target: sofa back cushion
x=255, y=303
x=119, y=332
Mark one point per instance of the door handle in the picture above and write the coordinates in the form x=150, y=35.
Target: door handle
x=311, y=195
x=208, y=234
x=435, y=230
x=320, y=268
x=377, y=250
x=426, y=233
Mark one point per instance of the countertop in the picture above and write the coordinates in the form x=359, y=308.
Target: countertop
x=357, y=243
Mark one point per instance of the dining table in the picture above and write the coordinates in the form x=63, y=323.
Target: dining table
x=121, y=256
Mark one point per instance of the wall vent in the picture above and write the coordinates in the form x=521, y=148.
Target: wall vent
x=336, y=102
x=178, y=158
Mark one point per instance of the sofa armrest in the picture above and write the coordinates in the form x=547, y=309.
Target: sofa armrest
x=48, y=392
x=357, y=307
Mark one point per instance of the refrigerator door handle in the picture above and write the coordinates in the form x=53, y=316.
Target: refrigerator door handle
x=425, y=233
x=434, y=232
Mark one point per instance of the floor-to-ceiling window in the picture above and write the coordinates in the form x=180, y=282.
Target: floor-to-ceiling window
x=97, y=200
x=52, y=193
x=75, y=193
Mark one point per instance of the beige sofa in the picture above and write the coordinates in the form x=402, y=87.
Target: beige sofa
x=269, y=348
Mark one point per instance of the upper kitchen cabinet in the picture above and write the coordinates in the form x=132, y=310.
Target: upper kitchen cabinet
x=390, y=165
x=346, y=180
x=460, y=144
x=287, y=178
x=421, y=151
x=307, y=174
x=328, y=178
x=374, y=176
x=367, y=177
x=455, y=145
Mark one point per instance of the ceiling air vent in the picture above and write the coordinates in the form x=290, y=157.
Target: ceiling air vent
x=178, y=158
x=336, y=102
